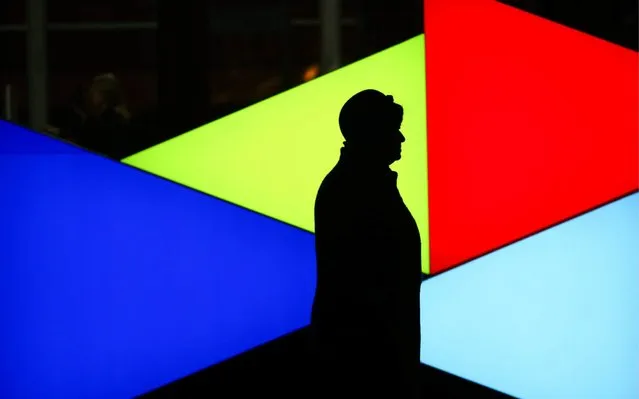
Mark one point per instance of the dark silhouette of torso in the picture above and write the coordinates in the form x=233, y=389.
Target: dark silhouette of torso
x=365, y=317
x=108, y=133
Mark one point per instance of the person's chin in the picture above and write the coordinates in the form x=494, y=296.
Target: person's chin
x=395, y=158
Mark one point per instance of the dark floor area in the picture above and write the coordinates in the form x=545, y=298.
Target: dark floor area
x=282, y=369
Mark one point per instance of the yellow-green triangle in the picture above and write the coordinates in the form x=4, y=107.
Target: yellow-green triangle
x=271, y=157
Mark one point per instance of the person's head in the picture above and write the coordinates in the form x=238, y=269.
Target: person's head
x=104, y=92
x=370, y=122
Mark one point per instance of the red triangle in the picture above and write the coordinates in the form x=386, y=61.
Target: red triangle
x=529, y=123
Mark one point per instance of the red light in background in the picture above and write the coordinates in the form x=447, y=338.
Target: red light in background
x=529, y=123
x=310, y=73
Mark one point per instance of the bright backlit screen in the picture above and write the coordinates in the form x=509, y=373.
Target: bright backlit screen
x=271, y=157
x=529, y=123
x=114, y=282
x=553, y=316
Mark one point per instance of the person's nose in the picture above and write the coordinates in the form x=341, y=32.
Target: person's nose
x=401, y=137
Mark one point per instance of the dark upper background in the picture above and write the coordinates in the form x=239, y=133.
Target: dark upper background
x=197, y=63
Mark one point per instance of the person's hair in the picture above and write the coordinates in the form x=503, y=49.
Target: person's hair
x=367, y=112
x=111, y=90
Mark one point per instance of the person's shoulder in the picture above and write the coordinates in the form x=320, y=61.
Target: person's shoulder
x=335, y=179
x=343, y=186
x=327, y=185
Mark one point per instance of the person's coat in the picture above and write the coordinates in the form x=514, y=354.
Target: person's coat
x=366, y=306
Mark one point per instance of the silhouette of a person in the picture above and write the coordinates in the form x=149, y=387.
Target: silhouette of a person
x=365, y=317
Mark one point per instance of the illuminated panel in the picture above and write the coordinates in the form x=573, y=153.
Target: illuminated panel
x=114, y=282
x=529, y=123
x=32, y=144
x=539, y=318
x=271, y=157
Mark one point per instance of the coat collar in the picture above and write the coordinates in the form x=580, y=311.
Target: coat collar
x=366, y=166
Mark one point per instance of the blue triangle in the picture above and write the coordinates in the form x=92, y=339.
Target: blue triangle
x=12, y=141
x=114, y=282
